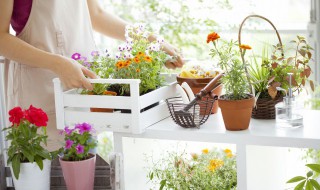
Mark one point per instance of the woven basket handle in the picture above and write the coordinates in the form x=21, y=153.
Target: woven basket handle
x=264, y=18
x=241, y=53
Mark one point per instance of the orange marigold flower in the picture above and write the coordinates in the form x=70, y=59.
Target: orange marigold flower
x=125, y=64
x=140, y=54
x=136, y=59
x=147, y=59
x=212, y=37
x=245, y=46
x=205, y=151
x=138, y=70
x=227, y=151
x=128, y=62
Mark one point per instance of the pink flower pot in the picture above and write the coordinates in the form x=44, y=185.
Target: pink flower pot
x=79, y=175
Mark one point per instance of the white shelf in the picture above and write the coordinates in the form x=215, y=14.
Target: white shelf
x=260, y=132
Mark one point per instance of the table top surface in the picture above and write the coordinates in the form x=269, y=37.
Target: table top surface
x=260, y=132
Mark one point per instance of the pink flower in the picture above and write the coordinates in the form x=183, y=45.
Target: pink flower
x=80, y=149
x=68, y=131
x=95, y=53
x=69, y=143
x=76, y=56
x=84, y=127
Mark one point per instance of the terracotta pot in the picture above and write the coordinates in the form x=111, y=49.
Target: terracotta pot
x=198, y=84
x=79, y=175
x=107, y=93
x=101, y=110
x=236, y=113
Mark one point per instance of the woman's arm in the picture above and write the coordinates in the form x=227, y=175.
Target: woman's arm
x=112, y=26
x=70, y=72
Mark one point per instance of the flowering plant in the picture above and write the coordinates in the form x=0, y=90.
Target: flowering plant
x=138, y=58
x=229, y=59
x=78, y=142
x=27, y=134
x=214, y=169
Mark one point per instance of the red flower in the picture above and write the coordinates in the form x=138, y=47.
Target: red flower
x=36, y=116
x=16, y=114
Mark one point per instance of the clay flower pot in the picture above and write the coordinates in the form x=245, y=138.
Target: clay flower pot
x=197, y=84
x=107, y=93
x=79, y=175
x=236, y=113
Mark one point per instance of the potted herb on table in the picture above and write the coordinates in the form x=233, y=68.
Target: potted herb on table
x=237, y=102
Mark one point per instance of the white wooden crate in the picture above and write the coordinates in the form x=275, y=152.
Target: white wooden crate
x=72, y=107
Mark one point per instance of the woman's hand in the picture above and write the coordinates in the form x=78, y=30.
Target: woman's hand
x=176, y=60
x=72, y=74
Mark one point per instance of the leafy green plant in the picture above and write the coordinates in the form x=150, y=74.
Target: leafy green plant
x=212, y=169
x=259, y=75
x=78, y=142
x=307, y=182
x=314, y=101
x=298, y=64
x=27, y=136
x=234, y=79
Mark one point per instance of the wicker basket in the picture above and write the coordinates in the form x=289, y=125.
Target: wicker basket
x=265, y=107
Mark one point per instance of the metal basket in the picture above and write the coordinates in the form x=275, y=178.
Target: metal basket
x=197, y=115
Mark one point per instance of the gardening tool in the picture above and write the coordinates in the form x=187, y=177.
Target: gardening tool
x=184, y=116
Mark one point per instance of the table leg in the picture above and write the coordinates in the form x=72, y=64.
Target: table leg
x=241, y=167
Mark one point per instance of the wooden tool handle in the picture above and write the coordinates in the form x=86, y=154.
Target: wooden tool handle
x=210, y=86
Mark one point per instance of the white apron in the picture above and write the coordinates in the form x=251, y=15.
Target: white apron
x=58, y=26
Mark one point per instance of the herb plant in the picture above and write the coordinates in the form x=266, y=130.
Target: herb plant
x=307, y=182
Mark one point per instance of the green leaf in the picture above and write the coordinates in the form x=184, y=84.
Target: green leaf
x=315, y=184
x=309, y=174
x=151, y=176
x=43, y=153
x=314, y=167
x=16, y=165
x=28, y=155
x=309, y=186
x=163, y=183
x=39, y=162
x=300, y=185
x=296, y=179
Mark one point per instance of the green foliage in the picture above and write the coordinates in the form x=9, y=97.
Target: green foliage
x=175, y=21
x=26, y=145
x=214, y=170
x=259, y=75
x=234, y=80
x=307, y=182
x=298, y=64
x=314, y=101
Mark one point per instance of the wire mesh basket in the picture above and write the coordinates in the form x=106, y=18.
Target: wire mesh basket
x=197, y=115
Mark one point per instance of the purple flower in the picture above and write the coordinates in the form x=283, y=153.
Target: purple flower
x=80, y=149
x=87, y=64
x=68, y=131
x=69, y=143
x=84, y=127
x=83, y=59
x=95, y=53
x=76, y=56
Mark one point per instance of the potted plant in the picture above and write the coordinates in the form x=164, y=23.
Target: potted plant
x=211, y=169
x=29, y=161
x=197, y=75
x=138, y=58
x=237, y=102
x=77, y=163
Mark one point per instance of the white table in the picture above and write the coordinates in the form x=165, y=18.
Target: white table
x=260, y=132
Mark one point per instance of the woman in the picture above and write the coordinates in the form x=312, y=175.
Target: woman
x=48, y=33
